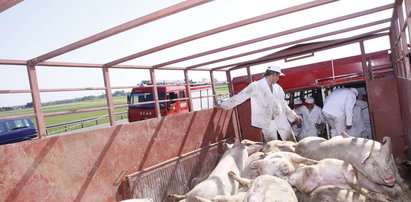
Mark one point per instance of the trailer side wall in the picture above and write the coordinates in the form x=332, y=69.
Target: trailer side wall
x=90, y=166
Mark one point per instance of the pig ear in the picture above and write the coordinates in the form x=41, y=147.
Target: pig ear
x=256, y=164
x=344, y=135
x=367, y=155
x=228, y=146
x=284, y=169
x=386, y=147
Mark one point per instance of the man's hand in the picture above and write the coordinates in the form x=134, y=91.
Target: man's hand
x=348, y=127
x=218, y=106
x=299, y=121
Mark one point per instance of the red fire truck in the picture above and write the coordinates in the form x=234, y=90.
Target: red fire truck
x=176, y=96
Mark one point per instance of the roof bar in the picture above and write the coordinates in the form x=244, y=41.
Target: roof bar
x=120, y=28
x=298, y=29
x=287, y=44
x=222, y=28
x=323, y=46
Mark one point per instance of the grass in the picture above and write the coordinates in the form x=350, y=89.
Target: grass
x=52, y=120
x=59, y=119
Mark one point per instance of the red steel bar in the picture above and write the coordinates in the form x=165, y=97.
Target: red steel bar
x=17, y=116
x=213, y=88
x=294, y=30
x=393, y=53
x=75, y=111
x=329, y=45
x=109, y=96
x=14, y=91
x=250, y=77
x=190, y=99
x=155, y=92
x=120, y=28
x=287, y=44
x=35, y=95
x=397, y=45
x=223, y=28
x=13, y=62
x=403, y=39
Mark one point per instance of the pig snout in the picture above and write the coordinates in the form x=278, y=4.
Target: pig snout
x=390, y=180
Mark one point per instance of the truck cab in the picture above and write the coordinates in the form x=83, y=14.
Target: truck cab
x=142, y=106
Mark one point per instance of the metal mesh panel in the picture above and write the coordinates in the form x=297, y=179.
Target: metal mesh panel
x=176, y=176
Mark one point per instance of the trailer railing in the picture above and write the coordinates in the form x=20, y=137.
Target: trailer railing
x=81, y=123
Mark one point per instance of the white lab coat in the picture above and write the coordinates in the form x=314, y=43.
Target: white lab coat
x=296, y=128
x=365, y=118
x=269, y=110
x=310, y=118
x=358, y=126
x=340, y=103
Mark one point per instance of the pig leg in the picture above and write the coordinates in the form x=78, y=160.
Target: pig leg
x=299, y=161
x=352, y=181
x=243, y=181
x=405, y=188
x=176, y=197
x=250, y=142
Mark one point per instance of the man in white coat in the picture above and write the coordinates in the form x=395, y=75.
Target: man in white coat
x=338, y=109
x=297, y=109
x=358, y=126
x=312, y=118
x=269, y=110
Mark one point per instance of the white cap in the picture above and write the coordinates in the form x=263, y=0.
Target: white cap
x=275, y=69
x=355, y=91
x=309, y=100
x=298, y=102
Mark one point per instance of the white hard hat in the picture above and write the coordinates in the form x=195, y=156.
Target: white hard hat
x=309, y=100
x=275, y=69
x=298, y=102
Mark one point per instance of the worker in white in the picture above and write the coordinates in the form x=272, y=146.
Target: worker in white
x=269, y=110
x=297, y=109
x=312, y=119
x=358, y=125
x=338, y=109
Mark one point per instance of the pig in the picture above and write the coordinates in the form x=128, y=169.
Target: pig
x=218, y=182
x=248, y=171
x=281, y=163
x=138, y=200
x=273, y=145
x=371, y=158
x=324, y=172
x=266, y=188
x=330, y=193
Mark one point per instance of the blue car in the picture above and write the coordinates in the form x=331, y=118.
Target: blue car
x=16, y=130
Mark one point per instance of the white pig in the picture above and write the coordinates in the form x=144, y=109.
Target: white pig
x=325, y=172
x=218, y=182
x=329, y=193
x=266, y=188
x=281, y=163
x=369, y=157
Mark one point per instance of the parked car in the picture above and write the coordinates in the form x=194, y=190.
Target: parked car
x=16, y=130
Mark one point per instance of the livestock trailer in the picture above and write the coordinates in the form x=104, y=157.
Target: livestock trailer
x=170, y=154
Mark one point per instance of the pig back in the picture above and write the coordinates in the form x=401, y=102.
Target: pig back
x=352, y=150
x=369, y=157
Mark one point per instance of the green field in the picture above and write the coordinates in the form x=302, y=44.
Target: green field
x=52, y=120
x=59, y=119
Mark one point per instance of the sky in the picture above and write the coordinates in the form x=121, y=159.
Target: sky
x=35, y=27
